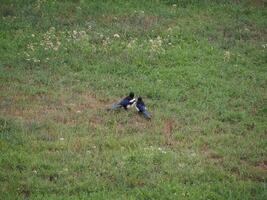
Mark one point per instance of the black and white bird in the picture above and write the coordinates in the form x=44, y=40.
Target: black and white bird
x=125, y=103
x=141, y=108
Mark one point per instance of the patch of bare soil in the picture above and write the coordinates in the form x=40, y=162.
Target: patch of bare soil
x=171, y=125
x=258, y=3
x=211, y=155
x=262, y=165
x=139, y=20
x=90, y=101
x=61, y=110
x=95, y=121
x=168, y=131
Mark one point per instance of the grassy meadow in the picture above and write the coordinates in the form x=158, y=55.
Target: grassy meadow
x=200, y=66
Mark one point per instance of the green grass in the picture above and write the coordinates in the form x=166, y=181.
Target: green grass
x=201, y=67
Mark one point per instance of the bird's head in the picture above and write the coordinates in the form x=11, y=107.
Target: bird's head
x=139, y=99
x=131, y=95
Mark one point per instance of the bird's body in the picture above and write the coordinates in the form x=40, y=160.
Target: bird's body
x=125, y=102
x=130, y=101
x=141, y=108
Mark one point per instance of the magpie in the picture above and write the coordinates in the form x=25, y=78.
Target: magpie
x=124, y=103
x=141, y=108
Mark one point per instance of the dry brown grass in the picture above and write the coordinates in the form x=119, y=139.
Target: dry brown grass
x=61, y=110
x=168, y=131
x=77, y=145
x=212, y=155
x=137, y=19
x=95, y=121
x=262, y=165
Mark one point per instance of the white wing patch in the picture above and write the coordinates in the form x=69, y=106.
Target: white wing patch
x=132, y=103
x=137, y=108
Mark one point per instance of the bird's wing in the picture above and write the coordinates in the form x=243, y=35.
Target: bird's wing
x=142, y=108
x=147, y=115
x=132, y=101
x=124, y=102
x=137, y=108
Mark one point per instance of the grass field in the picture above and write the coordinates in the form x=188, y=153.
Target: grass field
x=200, y=66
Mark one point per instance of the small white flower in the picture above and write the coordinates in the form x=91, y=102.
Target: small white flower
x=36, y=60
x=82, y=32
x=174, y=5
x=33, y=35
x=227, y=55
x=34, y=171
x=116, y=35
x=181, y=165
x=61, y=139
x=78, y=111
x=131, y=43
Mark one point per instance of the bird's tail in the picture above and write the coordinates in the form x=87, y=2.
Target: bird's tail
x=114, y=107
x=147, y=115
